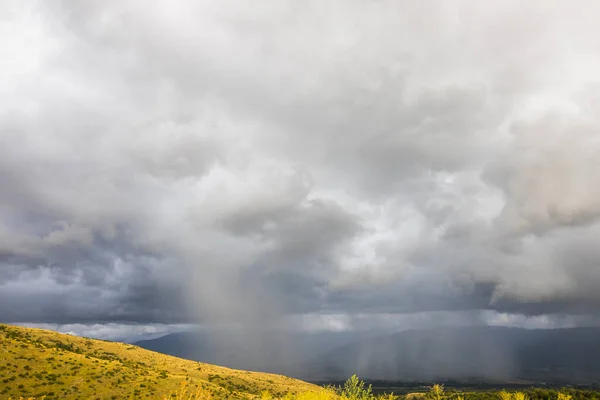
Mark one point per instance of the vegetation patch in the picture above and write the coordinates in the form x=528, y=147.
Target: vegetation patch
x=36, y=363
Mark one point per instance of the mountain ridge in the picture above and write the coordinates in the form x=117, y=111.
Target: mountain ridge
x=487, y=353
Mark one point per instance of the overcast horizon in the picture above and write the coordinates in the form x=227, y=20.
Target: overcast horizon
x=313, y=166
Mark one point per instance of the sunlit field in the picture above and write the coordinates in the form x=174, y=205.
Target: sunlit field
x=41, y=364
x=36, y=363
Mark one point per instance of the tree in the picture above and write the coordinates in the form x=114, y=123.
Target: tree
x=436, y=392
x=354, y=389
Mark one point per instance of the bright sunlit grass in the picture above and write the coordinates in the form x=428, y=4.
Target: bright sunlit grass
x=38, y=364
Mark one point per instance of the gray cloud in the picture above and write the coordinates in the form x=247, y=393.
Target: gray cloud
x=225, y=161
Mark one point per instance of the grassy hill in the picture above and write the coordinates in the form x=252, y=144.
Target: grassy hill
x=36, y=362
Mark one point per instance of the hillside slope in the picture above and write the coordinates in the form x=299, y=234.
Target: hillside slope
x=481, y=353
x=36, y=362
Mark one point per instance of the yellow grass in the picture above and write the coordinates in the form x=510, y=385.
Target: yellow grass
x=36, y=362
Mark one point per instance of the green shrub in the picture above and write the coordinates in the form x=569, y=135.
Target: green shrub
x=354, y=389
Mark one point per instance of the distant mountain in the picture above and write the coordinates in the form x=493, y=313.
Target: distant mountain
x=273, y=351
x=187, y=345
x=473, y=353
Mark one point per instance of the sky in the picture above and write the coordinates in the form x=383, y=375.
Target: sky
x=314, y=165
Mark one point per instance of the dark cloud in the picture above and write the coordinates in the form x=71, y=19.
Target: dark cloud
x=226, y=161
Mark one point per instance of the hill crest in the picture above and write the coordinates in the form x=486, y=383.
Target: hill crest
x=37, y=362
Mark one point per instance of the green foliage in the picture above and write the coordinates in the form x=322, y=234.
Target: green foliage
x=436, y=392
x=354, y=389
x=533, y=394
x=504, y=395
x=564, y=396
x=388, y=396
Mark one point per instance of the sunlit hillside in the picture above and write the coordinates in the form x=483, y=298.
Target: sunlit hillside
x=36, y=362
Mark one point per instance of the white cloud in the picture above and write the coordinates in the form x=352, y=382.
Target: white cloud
x=115, y=332
x=226, y=161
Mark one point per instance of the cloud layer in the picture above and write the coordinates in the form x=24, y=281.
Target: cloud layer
x=216, y=161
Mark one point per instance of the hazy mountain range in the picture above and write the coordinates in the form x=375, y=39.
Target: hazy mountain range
x=482, y=353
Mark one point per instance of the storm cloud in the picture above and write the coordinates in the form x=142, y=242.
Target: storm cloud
x=206, y=162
